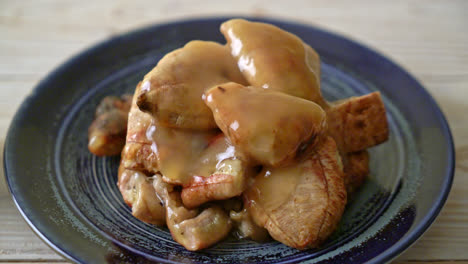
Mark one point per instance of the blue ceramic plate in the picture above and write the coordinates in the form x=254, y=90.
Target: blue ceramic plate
x=70, y=198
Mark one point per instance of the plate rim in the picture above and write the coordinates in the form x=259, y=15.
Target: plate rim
x=385, y=256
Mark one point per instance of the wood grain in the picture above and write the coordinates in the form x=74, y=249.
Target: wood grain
x=429, y=38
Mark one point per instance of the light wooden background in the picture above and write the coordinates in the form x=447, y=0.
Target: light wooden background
x=428, y=38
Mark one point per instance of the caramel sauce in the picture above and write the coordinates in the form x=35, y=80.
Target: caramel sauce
x=172, y=91
x=269, y=127
x=177, y=150
x=274, y=187
x=274, y=59
x=183, y=154
x=211, y=159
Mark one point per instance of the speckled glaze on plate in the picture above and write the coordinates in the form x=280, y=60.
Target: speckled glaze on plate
x=70, y=198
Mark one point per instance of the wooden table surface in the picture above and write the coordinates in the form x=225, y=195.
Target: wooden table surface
x=429, y=38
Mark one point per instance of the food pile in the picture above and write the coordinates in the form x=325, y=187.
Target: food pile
x=237, y=138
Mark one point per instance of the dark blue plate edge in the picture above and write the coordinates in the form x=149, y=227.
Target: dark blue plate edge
x=386, y=256
x=43, y=237
x=402, y=245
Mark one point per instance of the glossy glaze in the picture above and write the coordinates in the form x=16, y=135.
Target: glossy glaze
x=272, y=58
x=172, y=91
x=177, y=150
x=137, y=153
x=300, y=205
x=219, y=173
x=269, y=127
